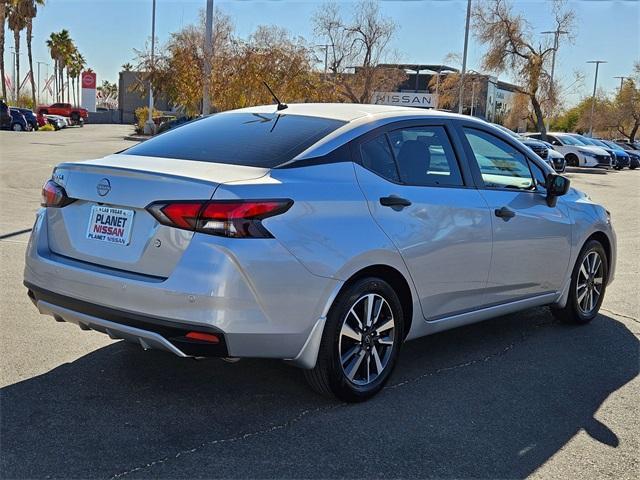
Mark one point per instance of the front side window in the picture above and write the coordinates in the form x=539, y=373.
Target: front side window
x=425, y=157
x=501, y=165
x=552, y=140
x=539, y=175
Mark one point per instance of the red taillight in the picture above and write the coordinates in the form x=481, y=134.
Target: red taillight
x=228, y=218
x=53, y=195
x=182, y=215
x=203, y=337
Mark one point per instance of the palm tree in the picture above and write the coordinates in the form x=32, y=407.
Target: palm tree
x=31, y=10
x=4, y=6
x=17, y=23
x=60, y=45
x=127, y=67
x=54, y=50
x=75, y=69
x=66, y=49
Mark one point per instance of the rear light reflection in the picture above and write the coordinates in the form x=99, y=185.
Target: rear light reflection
x=227, y=218
x=53, y=195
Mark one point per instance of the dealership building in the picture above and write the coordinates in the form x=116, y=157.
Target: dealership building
x=488, y=98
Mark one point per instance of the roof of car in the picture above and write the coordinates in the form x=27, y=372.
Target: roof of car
x=347, y=112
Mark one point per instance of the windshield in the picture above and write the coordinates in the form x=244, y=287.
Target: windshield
x=569, y=140
x=599, y=143
x=581, y=140
x=508, y=131
x=254, y=139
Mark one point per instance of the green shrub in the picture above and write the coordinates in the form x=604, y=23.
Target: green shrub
x=25, y=101
x=142, y=114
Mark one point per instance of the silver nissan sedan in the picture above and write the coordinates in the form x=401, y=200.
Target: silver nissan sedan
x=325, y=235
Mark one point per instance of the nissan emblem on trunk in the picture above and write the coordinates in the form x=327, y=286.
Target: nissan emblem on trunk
x=104, y=187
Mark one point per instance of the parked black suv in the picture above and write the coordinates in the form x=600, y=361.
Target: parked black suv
x=5, y=116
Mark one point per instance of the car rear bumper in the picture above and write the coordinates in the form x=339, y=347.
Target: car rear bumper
x=149, y=332
x=236, y=295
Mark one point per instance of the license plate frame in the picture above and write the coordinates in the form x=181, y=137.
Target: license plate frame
x=110, y=224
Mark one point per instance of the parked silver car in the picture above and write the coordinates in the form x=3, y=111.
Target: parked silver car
x=325, y=235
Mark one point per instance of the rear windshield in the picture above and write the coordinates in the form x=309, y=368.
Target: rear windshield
x=253, y=139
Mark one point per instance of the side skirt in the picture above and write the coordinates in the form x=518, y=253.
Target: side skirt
x=466, y=318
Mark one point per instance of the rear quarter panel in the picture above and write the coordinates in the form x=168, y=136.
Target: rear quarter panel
x=329, y=228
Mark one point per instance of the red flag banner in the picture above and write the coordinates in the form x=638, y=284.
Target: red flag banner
x=24, y=82
x=7, y=82
x=47, y=83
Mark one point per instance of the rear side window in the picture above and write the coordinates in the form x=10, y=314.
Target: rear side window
x=377, y=157
x=425, y=157
x=253, y=139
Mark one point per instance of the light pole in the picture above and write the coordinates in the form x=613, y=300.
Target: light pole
x=15, y=80
x=438, y=87
x=208, y=52
x=622, y=79
x=38, y=88
x=556, y=36
x=473, y=95
x=149, y=127
x=464, y=56
x=593, y=98
x=326, y=54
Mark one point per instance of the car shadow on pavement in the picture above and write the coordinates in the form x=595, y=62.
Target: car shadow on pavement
x=491, y=400
x=590, y=170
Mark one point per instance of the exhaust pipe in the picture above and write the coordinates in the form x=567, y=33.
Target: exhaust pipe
x=231, y=359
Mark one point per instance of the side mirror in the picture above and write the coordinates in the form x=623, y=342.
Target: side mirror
x=556, y=186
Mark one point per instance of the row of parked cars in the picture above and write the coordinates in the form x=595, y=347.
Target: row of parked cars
x=574, y=150
x=583, y=151
x=26, y=120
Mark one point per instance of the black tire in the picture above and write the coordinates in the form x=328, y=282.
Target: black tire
x=632, y=168
x=329, y=377
x=574, y=312
x=572, y=160
x=16, y=127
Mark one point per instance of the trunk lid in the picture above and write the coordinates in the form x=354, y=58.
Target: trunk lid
x=112, y=194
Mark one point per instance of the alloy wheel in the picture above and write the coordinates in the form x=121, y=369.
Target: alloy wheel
x=367, y=339
x=590, y=282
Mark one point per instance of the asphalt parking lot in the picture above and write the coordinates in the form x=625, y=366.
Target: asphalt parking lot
x=517, y=396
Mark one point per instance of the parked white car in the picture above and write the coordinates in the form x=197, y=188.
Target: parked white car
x=576, y=154
x=63, y=121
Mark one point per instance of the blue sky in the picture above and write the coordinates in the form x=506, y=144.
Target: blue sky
x=106, y=31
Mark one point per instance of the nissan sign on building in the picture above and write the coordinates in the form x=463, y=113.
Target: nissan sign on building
x=406, y=99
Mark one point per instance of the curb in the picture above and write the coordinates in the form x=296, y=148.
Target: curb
x=137, y=138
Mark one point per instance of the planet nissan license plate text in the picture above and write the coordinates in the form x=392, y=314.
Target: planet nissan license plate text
x=110, y=224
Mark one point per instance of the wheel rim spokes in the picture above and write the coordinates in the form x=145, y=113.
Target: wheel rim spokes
x=367, y=339
x=590, y=282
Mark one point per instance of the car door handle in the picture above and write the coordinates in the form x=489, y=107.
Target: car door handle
x=504, y=213
x=394, y=201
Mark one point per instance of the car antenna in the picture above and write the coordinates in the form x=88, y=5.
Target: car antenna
x=281, y=106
